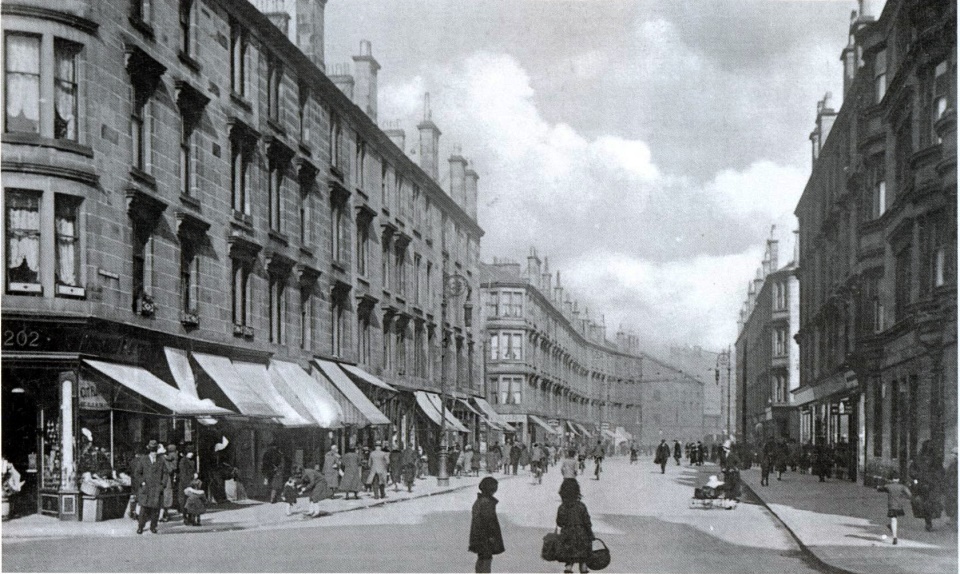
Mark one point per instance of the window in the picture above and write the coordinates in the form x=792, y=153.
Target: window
x=23, y=241
x=242, y=295
x=303, y=113
x=904, y=281
x=780, y=289
x=417, y=280
x=186, y=159
x=514, y=351
x=877, y=418
x=937, y=241
x=143, y=261
x=277, y=301
x=65, y=82
x=338, y=222
x=401, y=268
x=22, y=79
x=388, y=343
x=336, y=142
x=66, y=225
x=494, y=346
x=416, y=212
x=429, y=281
x=401, y=349
x=364, y=338
x=513, y=303
x=941, y=93
x=141, y=129
x=880, y=75
x=275, y=196
x=140, y=10
x=360, y=165
x=780, y=342
x=307, y=325
x=895, y=419
x=306, y=215
x=186, y=27
x=398, y=193
x=428, y=218
x=274, y=88
x=493, y=304
x=879, y=197
x=337, y=327
x=384, y=177
x=239, y=48
x=240, y=177
x=363, y=244
x=189, y=277
x=385, y=261
x=511, y=390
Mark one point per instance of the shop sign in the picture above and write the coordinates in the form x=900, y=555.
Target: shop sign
x=89, y=396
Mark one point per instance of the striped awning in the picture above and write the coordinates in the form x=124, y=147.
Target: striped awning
x=357, y=408
x=322, y=406
x=238, y=389
x=430, y=404
x=543, y=424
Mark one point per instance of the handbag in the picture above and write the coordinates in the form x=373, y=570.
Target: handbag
x=551, y=546
x=599, y=558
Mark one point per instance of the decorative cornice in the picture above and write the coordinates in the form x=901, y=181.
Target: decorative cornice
x=87, y=177
x=78, y=22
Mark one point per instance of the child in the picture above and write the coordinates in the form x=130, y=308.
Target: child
x=290, y=494
x=486, y=540
x=895, y=492
x=196, y=503
x=576, y=530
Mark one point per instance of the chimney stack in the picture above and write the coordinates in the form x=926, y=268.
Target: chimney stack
x=398, y=137
x=849, y=57
x=558, y=294
x=773, y=247
x=471, y=192
x=281, y=20
x=342, y=79
x=429, y=142
x=458, y=167
x=365, y=72
x=533, y=266
x=306, y=17
x=546, y=279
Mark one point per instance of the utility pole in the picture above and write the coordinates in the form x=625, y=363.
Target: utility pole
x=453, y=286
x=729, y=366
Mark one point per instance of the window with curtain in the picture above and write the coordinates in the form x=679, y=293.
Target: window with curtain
x=142, y=268
x=65, y=55
x=189, y=276
x=22, y=80
x=494, y=346
x=23, y=240
x=66, y=226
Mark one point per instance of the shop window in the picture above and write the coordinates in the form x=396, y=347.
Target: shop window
x=23, y=241
x=67, y=227
x=22, y=80
x=277, y=302
x=143, y=269
x=239, y=59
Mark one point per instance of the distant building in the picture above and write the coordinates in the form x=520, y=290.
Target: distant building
x=553, y=374
x=878, y=246
x=767, y=366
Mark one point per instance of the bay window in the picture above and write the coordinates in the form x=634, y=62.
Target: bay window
x=67, y=229
x=22, y=81
x=65, y=81
x=23, y=241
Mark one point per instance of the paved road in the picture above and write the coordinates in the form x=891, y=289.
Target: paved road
x=641, y=514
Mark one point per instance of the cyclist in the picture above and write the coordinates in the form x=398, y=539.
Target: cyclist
x=598, y=453
x=536, y=462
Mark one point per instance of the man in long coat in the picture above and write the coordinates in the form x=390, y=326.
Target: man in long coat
x=662, y=456
x=149, y=478
x=378, y=463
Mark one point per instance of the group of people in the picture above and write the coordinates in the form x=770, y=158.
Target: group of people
x=575, y=530
x=164, y=482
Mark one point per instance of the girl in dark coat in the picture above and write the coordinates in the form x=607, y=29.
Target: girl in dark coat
x=350, y=483
x=486, y=539
x=196, y=503
x=576, y=531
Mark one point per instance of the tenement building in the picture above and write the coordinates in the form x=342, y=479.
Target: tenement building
x=767, y=369
x=878, y=277
x=208, y=241
x=551, y=372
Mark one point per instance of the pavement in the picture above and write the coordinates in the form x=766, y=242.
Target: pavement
x=843, y=526
x=241, y=515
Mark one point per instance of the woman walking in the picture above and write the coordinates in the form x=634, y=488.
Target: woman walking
x=351, y=474
x=486, y=540
x=576, y=531
x=568, y=466
x=331, y=468
x=315, y=486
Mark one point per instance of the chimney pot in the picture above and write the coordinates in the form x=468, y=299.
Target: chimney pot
x=366, y=68
x=429, y=142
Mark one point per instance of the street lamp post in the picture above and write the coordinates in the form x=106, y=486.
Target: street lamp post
x=723, y=358
x=454, y=285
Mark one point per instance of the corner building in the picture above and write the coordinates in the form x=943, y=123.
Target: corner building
x=552, y=374
x=878, y=277
x=209, y=242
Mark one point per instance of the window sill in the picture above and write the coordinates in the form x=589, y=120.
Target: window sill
x=57, y=144
x=306, y=251
x=14, y=288
x=241, y=101
x=70, y=291
x=190, y=319
x=143, y=27
x=339, y=266
x=278, y=237
x=189, y=62
x=190, y=201
x=336, y=172
x=305, y=148
x=274, y=124
x=243, y=220
x=143, y=178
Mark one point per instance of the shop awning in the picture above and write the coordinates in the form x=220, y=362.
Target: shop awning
x=323, y=408
x=493, y=415
x=148, y=386
x=259, y=378
x=583, y=429
x=366, y=377
x=179, y=362
x=469, y=407
x=572, y=429
x=543, y=424
x=232, y=383
x=365, y=410
x=430, y=404
x=608, y=433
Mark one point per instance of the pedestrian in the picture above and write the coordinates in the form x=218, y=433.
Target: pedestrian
x=493, y=458
x=598, y=454
x=536, y=463
x=524, y=457
x=515, y=451
x=332, y=468
x=149, y=478
x=171, y=487
x=350, y=483
x=927, y=474
x=804, y=459
x=475, y=461
x=576, y=531
x=766, y=465
x=950, y=488
x=486, y=539
x=677, y=451
x=698, y=452
x=290, y=492
x=633, y=453
x=568, y=466
x=781, y=457
x=271, y=467
x=408, y=467
x=379, y=461
x=187, y=469
x=395, y=475
x=196, y=503
x=821, y=463
x=314, y=484
x=731, y=479
x=365, y=468
x=458, y=459
x=662, y=455
x=896, y=492
x=467, y=455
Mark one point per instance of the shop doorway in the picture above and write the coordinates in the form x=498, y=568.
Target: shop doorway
x=21, y=445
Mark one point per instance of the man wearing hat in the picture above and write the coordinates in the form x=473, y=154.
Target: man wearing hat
x=149, y=477
x=379, y=463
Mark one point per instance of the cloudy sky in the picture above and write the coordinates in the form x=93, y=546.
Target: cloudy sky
x=645, y=147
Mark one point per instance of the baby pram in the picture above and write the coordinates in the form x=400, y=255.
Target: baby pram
x=714, y=494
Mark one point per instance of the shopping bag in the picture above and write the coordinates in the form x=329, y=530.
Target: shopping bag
x=600, y=557
x=551, y=547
